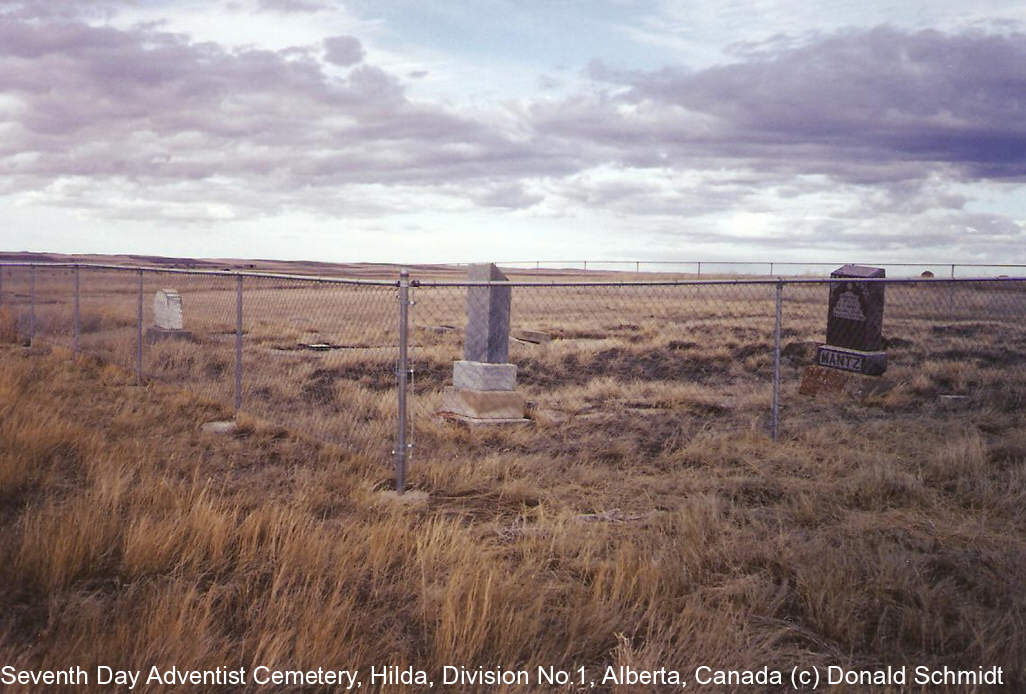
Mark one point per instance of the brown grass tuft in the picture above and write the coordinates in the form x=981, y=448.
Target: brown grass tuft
x=633, y=532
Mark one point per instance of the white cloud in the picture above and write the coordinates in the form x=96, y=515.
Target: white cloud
x=237, y=120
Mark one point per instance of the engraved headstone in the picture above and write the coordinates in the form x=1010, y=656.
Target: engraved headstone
x=854, y=332
x=487, y=334
x=167, y=317
x=856, y=309
x=167, y=309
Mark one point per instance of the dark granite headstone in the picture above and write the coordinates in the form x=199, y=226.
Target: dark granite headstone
x=855, y=322
x=487, y=334
x=855, y=318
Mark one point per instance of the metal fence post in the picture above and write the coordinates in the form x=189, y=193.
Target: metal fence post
x=700, y=269
x=1, y=285
x=32, y=303
x=238, y=344
x=776, y=363
x=402, y=373
x=75, y=329
x=138, y=331
x=951, y=294
x=771, y=269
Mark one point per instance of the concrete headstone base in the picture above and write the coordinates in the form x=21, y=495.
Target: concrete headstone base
x=156, y=334
x=479, y=375
x=819, y=380
x=483, y=404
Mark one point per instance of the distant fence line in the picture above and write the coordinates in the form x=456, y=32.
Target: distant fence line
x=760, y=267
x=363, y=361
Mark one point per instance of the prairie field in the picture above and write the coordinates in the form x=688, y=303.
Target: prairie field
x=643, y=517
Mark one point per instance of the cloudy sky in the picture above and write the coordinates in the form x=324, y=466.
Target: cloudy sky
x=515, y=129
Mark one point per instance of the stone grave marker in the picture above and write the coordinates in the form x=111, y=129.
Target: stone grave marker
x=167, y=317
x=484, y=384
x=854, y=337
x=487, y=336
x=536, y=337
x=167, y=309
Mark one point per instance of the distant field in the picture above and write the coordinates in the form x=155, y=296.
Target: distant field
x=644, y=518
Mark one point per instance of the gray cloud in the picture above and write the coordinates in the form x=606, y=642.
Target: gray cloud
x=343, y=50
x=143, y=105
x=509, y=196
x=293, y=5
x=869, y=106
x=870, y=128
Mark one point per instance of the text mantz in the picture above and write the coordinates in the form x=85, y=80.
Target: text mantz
x=839, y=360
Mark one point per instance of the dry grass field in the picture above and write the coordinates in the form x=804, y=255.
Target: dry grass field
x=643, y=518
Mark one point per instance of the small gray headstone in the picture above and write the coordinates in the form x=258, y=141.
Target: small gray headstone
x=167, y=309
x=487, y=334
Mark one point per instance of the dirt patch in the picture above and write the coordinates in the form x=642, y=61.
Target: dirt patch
x=745, y=351
x=431, y=376
x=800, y=352
x=679, y=345
x=481, y=504
x=653, y=365
x=745, y=333
x=986, y=356
x=897, y=343
x=961, y=330
x=756, y=492
x=965, y=331
x=567, y=334
x=216, y=368
x=319, y=387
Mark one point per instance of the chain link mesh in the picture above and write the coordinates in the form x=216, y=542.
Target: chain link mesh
x=315, y=356
x=611, y=372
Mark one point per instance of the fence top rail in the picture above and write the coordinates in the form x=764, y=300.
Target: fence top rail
x=698, y=282
x=744, y=262
x=212, y=273
x=513, y=283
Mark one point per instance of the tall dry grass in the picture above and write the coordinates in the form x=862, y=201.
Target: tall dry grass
x=130, y=537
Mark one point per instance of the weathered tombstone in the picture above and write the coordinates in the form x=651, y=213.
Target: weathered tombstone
x=167, y=309
x=487, y=336
x=854, y=333
x=167, y=317
x=484, y=384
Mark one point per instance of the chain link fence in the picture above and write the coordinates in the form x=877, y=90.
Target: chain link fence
x=316, y=355
x=762, y=268
x=611, y=372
